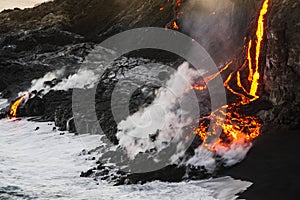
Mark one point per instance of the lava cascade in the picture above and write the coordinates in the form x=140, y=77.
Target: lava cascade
x=236, y=128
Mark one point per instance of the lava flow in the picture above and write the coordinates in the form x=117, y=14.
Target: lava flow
x=236, y=128
x=177, y=12
x=14, y=107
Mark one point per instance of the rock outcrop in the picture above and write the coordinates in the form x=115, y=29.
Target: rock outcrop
x=282, y=72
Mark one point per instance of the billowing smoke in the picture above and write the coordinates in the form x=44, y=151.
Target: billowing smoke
x=163, y=120
x=234, y=154
x=84, y=78
x=39, y=84
x=220, y=26
x=155, y=127
x=229, y=155
x=203, y=158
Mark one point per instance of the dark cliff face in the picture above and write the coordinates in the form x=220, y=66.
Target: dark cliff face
x=282, y=71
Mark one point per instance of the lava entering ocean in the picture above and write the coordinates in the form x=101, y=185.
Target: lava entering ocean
x=14, y=107
x=237, y=128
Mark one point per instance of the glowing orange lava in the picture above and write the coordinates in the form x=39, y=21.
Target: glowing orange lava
x=259, y=38
x=202, y=85
x=175, y=26
x=14, y=107
x=177, y=12
x=235, y=127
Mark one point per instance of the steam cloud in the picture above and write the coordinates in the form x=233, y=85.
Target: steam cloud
x=163, y=117
x=219, y=26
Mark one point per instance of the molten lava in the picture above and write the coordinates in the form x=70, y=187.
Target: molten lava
x=177, y=12
x=14, y=107
x=202, y=85
x=175, y=26
x=259, y=38
x=236, y=128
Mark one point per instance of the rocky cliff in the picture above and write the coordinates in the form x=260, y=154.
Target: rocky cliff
x=282, y=71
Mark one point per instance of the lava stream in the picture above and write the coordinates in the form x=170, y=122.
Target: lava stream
x=235, y=127
x=14, y=107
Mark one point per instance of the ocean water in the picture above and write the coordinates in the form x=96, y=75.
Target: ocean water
x=46, y=164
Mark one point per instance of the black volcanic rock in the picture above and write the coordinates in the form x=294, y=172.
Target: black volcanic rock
x=25, y=56
x=54, y=101
x=282, y=71
x=34, y=107
x=3, y=85
x=122, y=69
x=169, y=173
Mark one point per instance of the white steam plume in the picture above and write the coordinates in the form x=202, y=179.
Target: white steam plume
x=38, y=84
x=163, y=117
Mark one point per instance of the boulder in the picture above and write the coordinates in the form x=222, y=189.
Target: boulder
x=34, y=107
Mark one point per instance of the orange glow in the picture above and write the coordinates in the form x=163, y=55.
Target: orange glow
x=175, y=26
x=14, y=107
x=178, y=3
x=236, y=128
x=161, y=9
x=250, y=77
x=213, y=76
x=177, y=12
x=259, y=38
x=202, y=85
x=244, y=100
x=240, y=85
